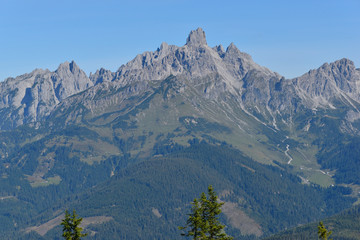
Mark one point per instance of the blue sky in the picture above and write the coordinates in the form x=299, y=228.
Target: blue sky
x=289, y=37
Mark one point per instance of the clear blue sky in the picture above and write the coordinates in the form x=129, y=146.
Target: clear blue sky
x=287, y=36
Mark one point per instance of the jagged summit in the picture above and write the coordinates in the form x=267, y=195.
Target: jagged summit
x=196, y=38
x=68, y=66
x=214, y=71
x=102, y=75
x=193, y=60
x=35, y=95
x=345, y=61
x=344, y=66
x=333, y=80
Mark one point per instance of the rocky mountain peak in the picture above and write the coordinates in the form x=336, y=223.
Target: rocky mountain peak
x=337, y=66
x=232, y=47
x=330, y=81
x=35, y=95
x=196, y=38
x=68, y=67
x=194, y=60
x=343, y=66
x=164, y=46
x=69, y=79
x=345, y=61
x=73, y=67
x=219, y=48
x=232, y=50
x=102, y=75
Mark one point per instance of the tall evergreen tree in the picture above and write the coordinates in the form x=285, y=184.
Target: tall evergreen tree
x=323, y=232
x=71, y=226
x=203, y=220
x=194, y=222
x=213, y=209
x=67, y=226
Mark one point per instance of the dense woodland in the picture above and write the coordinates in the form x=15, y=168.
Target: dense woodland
x=344, y=226
x=168, y=180
x=272, y=196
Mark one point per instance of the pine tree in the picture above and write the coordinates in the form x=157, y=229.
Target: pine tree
x=203, y=220
x=67, y=226
x=323, y=232
x=213, y=208
x=71, y=226
x=195, y=221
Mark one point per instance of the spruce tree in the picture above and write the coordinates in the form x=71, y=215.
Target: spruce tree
x=213, y=208
x=71, y=226
x=323, y=232
x=203, y=220
x=67, y=226
x=194, y=222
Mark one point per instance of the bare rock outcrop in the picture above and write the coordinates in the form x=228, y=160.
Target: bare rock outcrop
x=31, y=97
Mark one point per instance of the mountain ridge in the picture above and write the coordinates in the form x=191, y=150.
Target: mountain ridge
x=31, y=97
x=239, y=74
x=225, y=87
x=64, y=133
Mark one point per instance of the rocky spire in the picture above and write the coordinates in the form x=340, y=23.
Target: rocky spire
x=71, y=67
x=196, y=38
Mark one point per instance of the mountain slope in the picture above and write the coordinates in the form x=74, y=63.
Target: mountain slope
x=154, y=195
x=64, y=133
x=345, y=226
x=31, y=97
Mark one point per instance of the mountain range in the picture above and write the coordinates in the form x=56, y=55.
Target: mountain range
x=66, y=135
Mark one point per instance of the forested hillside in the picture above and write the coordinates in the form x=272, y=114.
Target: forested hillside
x=154, y=195
x=344, y=226
x=130, y=149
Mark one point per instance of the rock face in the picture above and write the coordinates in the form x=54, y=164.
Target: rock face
x=68, y=80
x=194, y=60
x=101, y=76
x=31, y=97
x=215, y=73
x=321, y=86
x=196, y=38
